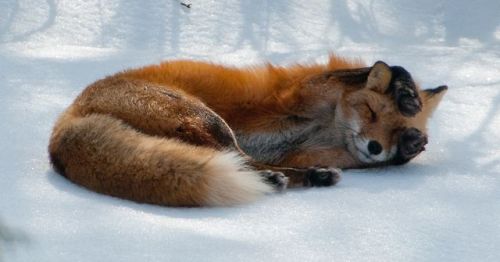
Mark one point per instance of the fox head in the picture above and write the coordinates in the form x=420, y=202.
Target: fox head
x=383, y=114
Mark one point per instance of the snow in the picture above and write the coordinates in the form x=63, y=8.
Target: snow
x=443, y=206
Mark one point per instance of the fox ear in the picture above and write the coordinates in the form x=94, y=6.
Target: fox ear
x=430, y=101
x=432, y=97
x=379, y=77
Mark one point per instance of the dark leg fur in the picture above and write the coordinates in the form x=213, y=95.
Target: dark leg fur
x=411, y=142
x=305, y=177
x=405, y=92
x=277, y=179
x=320, y=177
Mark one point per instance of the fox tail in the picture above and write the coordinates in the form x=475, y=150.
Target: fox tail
x=106, y=155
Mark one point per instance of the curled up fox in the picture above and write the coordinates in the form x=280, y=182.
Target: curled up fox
x=188, y=133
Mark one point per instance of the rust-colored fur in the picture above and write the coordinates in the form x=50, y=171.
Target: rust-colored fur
x=186, y=133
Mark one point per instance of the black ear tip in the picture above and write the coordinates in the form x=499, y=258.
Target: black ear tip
x=441, y=88
x=437, y=90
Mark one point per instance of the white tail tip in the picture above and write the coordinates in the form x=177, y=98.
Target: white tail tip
x=231, y=183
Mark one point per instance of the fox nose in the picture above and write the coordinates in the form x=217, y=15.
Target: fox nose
x=374, y=147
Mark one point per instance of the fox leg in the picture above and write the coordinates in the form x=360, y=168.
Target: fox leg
x=304, y=177
x=404, y=92
x=158, y=111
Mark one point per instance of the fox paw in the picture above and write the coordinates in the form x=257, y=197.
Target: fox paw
x=320, y=177
x=411, y=143
x=405, y=92
x=409, y=103
x=277, y=179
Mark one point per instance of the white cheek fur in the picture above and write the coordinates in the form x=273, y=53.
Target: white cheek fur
x=359, y=145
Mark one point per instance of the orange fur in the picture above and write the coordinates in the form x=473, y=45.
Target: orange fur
x=243, y=97
x=178, y=133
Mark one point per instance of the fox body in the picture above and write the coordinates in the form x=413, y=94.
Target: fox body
x=187, y=133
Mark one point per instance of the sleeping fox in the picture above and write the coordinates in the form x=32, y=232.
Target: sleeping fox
x=188, y=133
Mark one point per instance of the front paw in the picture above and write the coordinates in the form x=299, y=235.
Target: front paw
x=320, y=177
x=407, y=99
x=411, y=143
x=405, y=92
x=277, y=179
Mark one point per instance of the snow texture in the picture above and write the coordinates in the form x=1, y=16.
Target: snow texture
x=443, y=206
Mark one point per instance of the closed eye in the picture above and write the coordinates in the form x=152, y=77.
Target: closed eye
x=373, y=115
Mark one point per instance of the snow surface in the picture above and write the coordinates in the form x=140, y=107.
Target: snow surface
x=443, y=206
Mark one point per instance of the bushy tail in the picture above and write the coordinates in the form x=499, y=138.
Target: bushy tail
x=106, y=155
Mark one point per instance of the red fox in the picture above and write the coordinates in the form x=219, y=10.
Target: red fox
x=188, y=133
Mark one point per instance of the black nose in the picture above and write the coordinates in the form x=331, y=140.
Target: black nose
x=374, y=147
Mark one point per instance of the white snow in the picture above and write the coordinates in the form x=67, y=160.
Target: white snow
x=443, y=206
